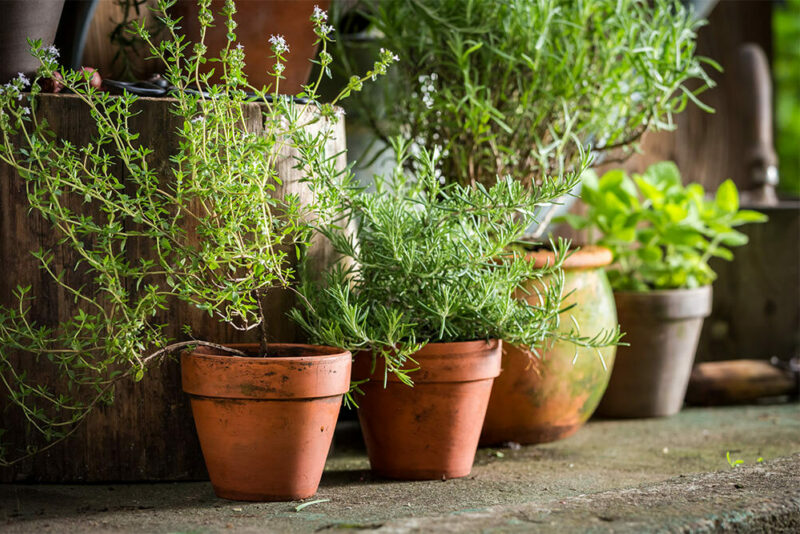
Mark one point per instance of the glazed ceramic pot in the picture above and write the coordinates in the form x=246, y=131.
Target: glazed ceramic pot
x=540, y=400
x=265, y=423
x=662, y=329
x=257, y=20
x=429, y=431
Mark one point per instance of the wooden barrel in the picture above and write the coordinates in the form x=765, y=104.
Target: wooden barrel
x=148, y=432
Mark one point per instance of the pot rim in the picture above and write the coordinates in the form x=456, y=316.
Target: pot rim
x=665, y=292
x=266, y=378
x=670, y=304
x=326, y=351
x=440, y=362
x=585, y=257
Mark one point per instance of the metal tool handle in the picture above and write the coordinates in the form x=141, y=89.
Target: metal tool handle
x=756, y=106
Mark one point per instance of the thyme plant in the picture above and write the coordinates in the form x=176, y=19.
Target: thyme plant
x=435, y=263
x=219, y=237
x=661, y=233
x=522, y=87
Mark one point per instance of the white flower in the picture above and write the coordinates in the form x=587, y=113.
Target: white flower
x=325, y=29
x=239, y=46
x=279, y=45
x=23, y=79
x=387, y=55
x=52, y=51
x=26, y=111
x=279, y=68
x=319, y=14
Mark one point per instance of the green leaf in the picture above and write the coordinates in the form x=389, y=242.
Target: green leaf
x=749, y=216
x=663, y=175
x=733, y=239
x=577, y=222
x=727, y=197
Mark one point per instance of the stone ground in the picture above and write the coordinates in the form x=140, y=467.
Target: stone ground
x=612, y=476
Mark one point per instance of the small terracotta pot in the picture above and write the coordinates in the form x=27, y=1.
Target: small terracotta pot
x=536, y=401
x=257, y=20
x=662, y=328
x=265, y=424
x=429, y=431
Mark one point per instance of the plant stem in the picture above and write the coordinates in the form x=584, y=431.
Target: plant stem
x=262, y=326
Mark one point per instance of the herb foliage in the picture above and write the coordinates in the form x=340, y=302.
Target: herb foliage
x=219, y=236
x=661, y=233
x=434, y=263
x=523, y=87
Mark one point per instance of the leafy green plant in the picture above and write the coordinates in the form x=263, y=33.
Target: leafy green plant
x=523, y=87
x=665, y=238
x=434, y=263
x=219, y=237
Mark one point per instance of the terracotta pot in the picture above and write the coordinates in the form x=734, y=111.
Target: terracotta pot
x=23, y=19
x=536, y=401
x=651, y=375
x=429, y=431
x=257, y=20
x=265, y=424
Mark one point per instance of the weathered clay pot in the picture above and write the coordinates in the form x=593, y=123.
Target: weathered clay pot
x=257, y=20
x=265, y=424
x=536, y=401
x=23, y=19
x=429, y=431
x=651, y=375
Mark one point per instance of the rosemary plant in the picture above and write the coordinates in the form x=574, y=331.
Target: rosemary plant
x=523, y=87
x=434, y=263
x=218, y=236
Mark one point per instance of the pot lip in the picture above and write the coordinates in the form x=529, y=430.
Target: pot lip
x=584, y=257
x=664, y=293
x=446, y=348
x=317, y=353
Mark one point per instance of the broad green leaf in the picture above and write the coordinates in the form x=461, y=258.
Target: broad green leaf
x=577, y=222
x=733, y=239
x=727, y=197
x=664, y=175
x=650, y=191
x=749, y=216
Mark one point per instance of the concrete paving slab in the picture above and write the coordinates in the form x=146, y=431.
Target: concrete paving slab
x=630, y=476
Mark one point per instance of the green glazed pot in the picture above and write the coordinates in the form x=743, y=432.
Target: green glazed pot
x=536, y=401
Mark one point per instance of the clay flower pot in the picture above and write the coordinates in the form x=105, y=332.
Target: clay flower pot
x=429, y=431
x=265, y=424
x=257, y=20
x=536, y=401
x=651, y=375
